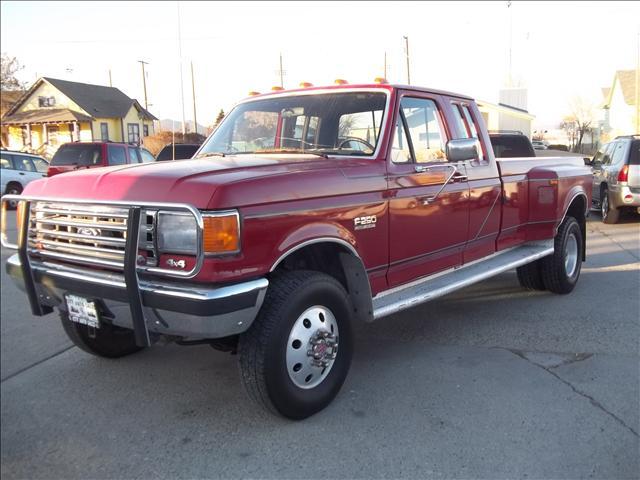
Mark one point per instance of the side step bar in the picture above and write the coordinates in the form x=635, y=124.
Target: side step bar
x=429, y=288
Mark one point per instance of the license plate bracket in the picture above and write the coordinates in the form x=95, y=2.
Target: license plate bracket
x=82, y=311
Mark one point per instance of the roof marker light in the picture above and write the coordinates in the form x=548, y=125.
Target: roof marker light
x=306, y=84
x=276, y=88
x=253, y=93
x=380, y=80
x=340, y=81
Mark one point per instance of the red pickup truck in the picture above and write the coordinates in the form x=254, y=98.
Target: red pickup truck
x=304, y=212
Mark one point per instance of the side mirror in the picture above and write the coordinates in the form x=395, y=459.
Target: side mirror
x=463, y=149
x=587, y=161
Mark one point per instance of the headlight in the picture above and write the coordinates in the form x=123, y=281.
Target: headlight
x=178, y=233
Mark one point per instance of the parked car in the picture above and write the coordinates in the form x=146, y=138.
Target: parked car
x=17, y=169
x=379, y=202
x=81, y=155
x=177, y=151
x=539, y=145
x=511, y=144
x=616, y=177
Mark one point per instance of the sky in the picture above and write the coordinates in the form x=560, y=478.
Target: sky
x=559, y=50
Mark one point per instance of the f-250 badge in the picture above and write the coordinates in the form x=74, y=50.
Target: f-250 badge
x=368, y=221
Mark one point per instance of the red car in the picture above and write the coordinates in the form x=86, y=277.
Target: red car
x=81, y=155
x=305, y=212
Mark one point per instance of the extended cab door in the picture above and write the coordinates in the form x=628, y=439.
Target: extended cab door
x=428, y=195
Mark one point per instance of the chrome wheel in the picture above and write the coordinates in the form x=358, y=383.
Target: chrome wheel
x=571, y=255
x=312, y=347
x=13, y=191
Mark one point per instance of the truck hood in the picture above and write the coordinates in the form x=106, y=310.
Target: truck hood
x=185, y=181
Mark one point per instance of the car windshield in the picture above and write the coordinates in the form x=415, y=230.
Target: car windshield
x=328, y=123
x=78, y=154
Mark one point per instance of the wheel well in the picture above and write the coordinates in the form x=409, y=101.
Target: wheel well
x=13, y=183
x=577, y=210
x=340, y=263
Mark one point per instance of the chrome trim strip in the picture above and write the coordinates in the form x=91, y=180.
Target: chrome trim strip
x=311, y=242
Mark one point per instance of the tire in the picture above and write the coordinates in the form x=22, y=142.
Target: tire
x=530, y=276
x=13, y=189
x=609, y=215
x=107, y=341
x=561, y=270
x=268, y=356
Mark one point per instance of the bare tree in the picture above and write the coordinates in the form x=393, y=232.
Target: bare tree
x=579, y=122
x=9, y=67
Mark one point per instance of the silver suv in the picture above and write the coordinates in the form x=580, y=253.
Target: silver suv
x=616, y=177
x=17, y=169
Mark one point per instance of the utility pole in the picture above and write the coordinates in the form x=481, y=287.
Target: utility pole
x=281, y=72
x=110, y=82
x=193, y=91
x=144, y=82
x=406, y=47
x=510, y=77
x=638, y=86
x=184, y=125
x=385, y=65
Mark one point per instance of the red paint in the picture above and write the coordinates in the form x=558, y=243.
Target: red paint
x=286, y=200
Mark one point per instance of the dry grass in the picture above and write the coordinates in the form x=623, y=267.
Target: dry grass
x=154, y=143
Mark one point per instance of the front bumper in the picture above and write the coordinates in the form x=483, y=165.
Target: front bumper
x=186, y=310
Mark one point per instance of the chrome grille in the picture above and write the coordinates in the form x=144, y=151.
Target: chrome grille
x=89, y=235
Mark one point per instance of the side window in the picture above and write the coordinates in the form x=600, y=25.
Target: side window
x=146, y=156
x=6, y=162
x=425, y=130
x=471, y=127
x=460, y=122
x=117, y=155
x=145, y=130
x=618, y=154
x=23, y=163
x=134, y=156
x=400, y=151
x=104, y=132
x=41, y=165
x=606, y=159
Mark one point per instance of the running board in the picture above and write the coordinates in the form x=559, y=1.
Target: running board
x=429, y=288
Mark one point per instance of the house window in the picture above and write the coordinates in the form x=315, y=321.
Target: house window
x=133, y=129
x=104, y=132
x=46, y=101
x=145, y=130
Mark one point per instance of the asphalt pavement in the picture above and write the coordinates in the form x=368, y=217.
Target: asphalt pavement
x=491, y=382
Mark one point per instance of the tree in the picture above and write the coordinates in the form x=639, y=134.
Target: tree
x=9, y=67
x=579, y=122
x=219, y=118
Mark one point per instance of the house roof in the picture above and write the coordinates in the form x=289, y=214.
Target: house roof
x=96, y=100
x=48, y=115
x=627, y=81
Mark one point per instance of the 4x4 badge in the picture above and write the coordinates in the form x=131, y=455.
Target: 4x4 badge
x=176, y=263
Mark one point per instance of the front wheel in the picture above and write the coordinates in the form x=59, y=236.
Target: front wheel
x=296, y=355
x=561, y=270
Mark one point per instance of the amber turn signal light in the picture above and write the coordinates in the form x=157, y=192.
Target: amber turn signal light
x=221, y=234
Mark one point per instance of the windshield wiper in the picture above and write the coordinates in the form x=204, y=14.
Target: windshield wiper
x=211, y=154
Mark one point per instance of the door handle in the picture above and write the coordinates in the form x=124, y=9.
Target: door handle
x=460, y=177
x=20, y=173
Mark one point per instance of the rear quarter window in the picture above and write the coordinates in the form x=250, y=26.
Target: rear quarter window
x=634, y=154
x=83, y=155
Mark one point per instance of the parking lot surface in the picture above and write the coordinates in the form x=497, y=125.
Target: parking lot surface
x=491, y=382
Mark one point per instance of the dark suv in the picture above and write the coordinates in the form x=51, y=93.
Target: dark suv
x=78, y=155
x=177, y=151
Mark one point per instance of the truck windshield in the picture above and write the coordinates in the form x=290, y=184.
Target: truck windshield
x=331, y=123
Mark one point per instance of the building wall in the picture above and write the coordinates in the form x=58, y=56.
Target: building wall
x=114, y=129
x=621, y=115
x=134, y=117
x=47, y=90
